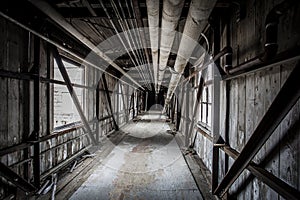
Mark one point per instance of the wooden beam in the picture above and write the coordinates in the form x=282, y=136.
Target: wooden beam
x=215, y=125
x=36, y=115
x=124, y=104
x=284, y=101
x=196, y=105
x=74, y=97
x=118, y=100
x=11, y=176
x=268, y=178
x=65, y=162
x=109, y=102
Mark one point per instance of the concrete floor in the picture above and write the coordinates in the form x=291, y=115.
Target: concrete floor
x=146, y=164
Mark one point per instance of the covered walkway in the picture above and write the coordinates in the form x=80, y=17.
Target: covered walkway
x=146, y=164
x=149, y=99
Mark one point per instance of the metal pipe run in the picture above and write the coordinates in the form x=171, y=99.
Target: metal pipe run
x=196, y=21
x=55, y=16
x=170, y=17
x=139, y=23
x=117, y=32
x=60, y=47
x=153, y=21
x=271, y=31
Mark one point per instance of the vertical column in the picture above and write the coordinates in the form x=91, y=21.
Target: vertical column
x=118, y=103
x=133, y=111
x=137, y=102
x=48, y=95
x=187, y=112
x=146, y=101
x=215, y=106
x=109, y=102
x=215, y=125
x=97, y=108
x=36, y=118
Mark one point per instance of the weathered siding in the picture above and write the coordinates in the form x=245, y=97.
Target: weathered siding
x=251, y=95
x=17, y=107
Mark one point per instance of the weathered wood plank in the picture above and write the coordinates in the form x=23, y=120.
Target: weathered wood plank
x=249, y=123
x=288, y=157
x=13, y=97
x=272, y=86
x=233, y=124
x=259, y=111
x=241, y=126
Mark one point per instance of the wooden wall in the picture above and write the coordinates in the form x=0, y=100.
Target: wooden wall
x=17, y=108
x=13, y=105
x=249, y=97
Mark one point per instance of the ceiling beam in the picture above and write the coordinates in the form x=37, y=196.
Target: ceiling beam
x=59, y=19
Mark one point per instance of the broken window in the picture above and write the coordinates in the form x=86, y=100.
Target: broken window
x=65, y=111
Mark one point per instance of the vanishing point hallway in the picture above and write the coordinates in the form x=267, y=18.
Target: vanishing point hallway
x=146, y=164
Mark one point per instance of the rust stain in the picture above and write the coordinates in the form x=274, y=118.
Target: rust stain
x=143, y=147
x=130, y=178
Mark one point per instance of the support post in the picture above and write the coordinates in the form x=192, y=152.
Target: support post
x=74, y=97
x=132, y=100
x=124, y=104
x=187, y=114
x=137, y=102
x=196, y=105
x=36, y=117
x=97, y=109
x=118, y=102
x=146, y=102
x=284, y=101
x=109, y=102
x=11, y=176
x=215, y=125
x=268, y=178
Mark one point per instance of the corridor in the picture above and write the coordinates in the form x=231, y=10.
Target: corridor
x=149, y=99
x=146, y=164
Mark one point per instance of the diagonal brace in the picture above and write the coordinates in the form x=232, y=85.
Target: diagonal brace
x=11, y=176
x=109, y=101
x=74, y=97
x=282, y=104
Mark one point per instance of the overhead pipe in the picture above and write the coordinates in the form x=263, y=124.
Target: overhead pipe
x=138, y=35
x=153, y=22
x=60, y=20
x=130, y=40
x=136, y=41
x=196, y=21
x=117, y=33
x=170, y=17
x=271, y=31
x=226, y=51
x=136, y=11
